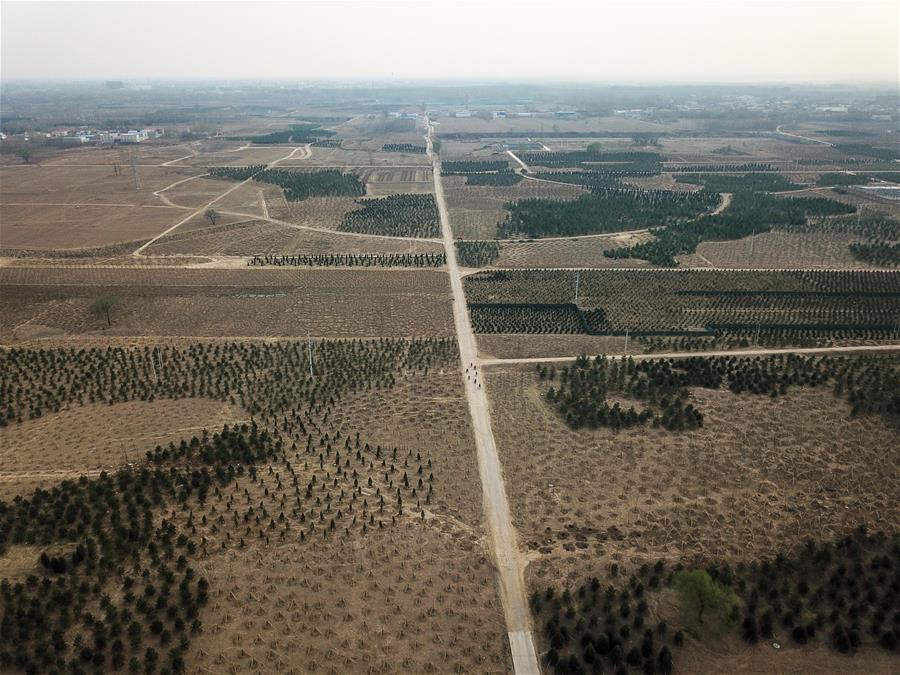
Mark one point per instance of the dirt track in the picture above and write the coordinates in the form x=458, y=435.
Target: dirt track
x=682, y=355
x=508, y=558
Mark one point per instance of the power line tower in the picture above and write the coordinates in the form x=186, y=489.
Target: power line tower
x=134, y=171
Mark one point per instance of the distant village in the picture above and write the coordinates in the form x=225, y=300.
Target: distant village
x=89, y=136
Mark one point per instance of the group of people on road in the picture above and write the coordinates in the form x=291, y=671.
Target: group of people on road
x=472, y=372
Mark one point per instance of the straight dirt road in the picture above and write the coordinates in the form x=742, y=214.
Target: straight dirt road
x=510, y=562
x=725, y=352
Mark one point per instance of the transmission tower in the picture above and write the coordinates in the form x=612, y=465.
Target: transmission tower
x=134, y=171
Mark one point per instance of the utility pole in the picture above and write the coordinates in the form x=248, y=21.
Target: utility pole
x=309, y=351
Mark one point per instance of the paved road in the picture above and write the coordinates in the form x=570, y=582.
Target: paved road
x=805, y=138
x=510, y=562
x=728, y=352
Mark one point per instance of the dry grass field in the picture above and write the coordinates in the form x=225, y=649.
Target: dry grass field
x=585, y=498
x=416, y=598
x=571, y=252
x=745, y=486
x=77, y=207
x=55, y=302
x=258, y=237
x=778, y=250
x=383, y=182
x=536, y=346
x=414, y=594
x=475, y=211
x=99, y=437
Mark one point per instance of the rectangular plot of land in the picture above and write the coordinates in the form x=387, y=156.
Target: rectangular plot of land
x=56, y=302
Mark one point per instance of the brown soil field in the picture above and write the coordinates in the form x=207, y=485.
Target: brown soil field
x=415, y=598
x=251, y=198
x=54, y=302
x=348, y=157
x=74, y=207
x=145, y=153
x=572, y=252
x=240, y=154
x=536, y=346
x=65, y=228
x=592, y=497
x=664, y=181
x=759, y=477
x=383, y=182
x=195, y=193
x=778, y=250
x=263, y=237
x=321, y=212
x=85, y=184
x=97, y=437
x=475, y=211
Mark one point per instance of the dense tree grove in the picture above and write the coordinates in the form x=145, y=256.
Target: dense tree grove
x=297, y=133
x=885, y=154
x=474, y=253
x=300, y=185
x=882, y=253
x=756, y=182
x=645, y=162
x=351, y=260
x=726, y=168
x=503, y=178
x=595, y=627
x=525, y=318
x=235, y=172
x=835, y=178
x=604, y=210
x=402, y=215
x=843, y=594
x=749, y=213
x=410, y=148
x=772, y=306
x=452, y=167
x=870, y=384
x=599, y=178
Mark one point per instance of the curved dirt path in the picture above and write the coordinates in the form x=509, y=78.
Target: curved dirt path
x=508, y=558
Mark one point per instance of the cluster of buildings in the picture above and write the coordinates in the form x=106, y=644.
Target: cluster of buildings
x=105, y=137
x=86, y=135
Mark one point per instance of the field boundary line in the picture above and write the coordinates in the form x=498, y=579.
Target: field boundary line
x=892, y=347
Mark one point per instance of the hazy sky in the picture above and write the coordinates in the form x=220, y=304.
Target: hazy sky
x=722, y=41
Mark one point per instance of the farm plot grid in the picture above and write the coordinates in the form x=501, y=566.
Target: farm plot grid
x=778, y=304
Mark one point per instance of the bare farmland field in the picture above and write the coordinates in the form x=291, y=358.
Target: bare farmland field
x=475, y=211
x=262, y=237
x=320, y=212
x=77, y=439
x=383, y=182
x=571, y=252
x=55, y=302
x=538, y=346
x=588, y=499
x=778, y=250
